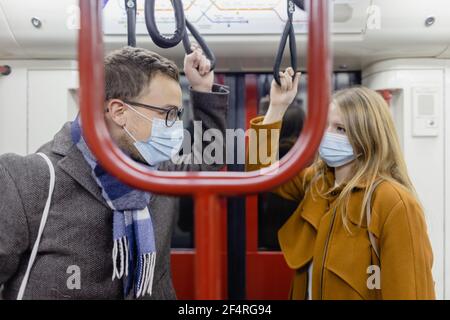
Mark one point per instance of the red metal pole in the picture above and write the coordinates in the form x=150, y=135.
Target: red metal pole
x=209, y=258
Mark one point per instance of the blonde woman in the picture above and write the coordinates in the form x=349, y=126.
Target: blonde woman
x=359, y=231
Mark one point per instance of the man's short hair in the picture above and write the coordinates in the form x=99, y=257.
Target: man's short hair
x=128, y=71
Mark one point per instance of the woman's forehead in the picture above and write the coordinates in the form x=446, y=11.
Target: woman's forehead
x=334, y=113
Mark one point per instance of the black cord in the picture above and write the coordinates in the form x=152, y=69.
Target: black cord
x=201, y=42
x=300, y=4
x=288, y=32
x=180, y=34
x=130, y=5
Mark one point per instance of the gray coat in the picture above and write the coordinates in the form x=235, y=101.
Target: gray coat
x=79, y=227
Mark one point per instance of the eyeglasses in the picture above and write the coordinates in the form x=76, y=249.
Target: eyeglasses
x=173, y=113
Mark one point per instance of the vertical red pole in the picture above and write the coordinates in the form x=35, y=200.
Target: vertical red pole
x=208, y=248
x=251, y=203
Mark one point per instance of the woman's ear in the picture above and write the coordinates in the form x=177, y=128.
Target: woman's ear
x=116, y=110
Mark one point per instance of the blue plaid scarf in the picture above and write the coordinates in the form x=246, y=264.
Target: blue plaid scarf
x=134, y=250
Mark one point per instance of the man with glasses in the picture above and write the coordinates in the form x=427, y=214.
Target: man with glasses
x=103, y=239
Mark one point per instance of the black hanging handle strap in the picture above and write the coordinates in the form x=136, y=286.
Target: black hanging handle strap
x=180, y=25
x=180, y=34
x=201, y=42
x=130, y=6
x=288, y=32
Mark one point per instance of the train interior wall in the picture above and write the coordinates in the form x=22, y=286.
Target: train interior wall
x=40, y=95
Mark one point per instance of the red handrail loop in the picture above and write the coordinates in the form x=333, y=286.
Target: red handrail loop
x=205, y=186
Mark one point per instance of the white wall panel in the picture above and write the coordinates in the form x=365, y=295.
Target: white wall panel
x=425, y=155
x=51, y=104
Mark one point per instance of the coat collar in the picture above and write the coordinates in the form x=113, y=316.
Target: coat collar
x=73, y=162
x=330, y=179
x=356, y=200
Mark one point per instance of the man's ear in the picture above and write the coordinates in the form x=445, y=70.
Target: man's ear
x=116, y=111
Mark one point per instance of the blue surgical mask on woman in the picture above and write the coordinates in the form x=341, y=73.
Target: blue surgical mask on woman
x=164, y=142
x=336, y=150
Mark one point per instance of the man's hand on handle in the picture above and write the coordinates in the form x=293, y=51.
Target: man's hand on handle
x=198, y=70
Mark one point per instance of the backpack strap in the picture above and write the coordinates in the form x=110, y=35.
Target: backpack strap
x=33, y=255
x=372, y=239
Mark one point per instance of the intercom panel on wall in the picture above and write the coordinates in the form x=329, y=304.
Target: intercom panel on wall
x=425, y=106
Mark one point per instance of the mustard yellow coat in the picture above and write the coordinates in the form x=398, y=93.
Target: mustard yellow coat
x=342, y=261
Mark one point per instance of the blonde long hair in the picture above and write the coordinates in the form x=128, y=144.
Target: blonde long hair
x=371, y=131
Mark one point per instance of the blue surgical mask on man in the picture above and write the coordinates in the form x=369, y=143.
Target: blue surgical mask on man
x=164, y=142
x=336, y=150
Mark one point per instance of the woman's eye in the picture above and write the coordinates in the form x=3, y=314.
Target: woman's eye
x=340, y=129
